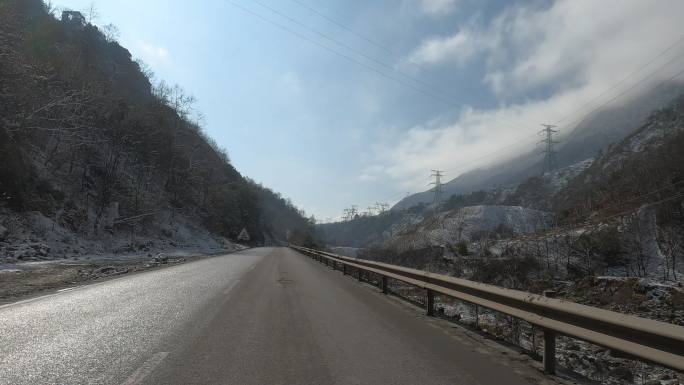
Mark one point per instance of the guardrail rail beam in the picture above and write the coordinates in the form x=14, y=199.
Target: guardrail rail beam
x=648, y=340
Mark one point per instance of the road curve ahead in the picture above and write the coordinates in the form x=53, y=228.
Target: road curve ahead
x=262, y=316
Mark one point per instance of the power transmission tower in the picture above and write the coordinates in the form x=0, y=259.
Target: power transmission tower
x=382, y=207
x=437, y=190
x=550, y=161
x=353, y=212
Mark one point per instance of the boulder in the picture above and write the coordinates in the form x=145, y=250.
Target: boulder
x=105, y=270
x=32, y=252
x=25, y=253
x=161, y=258
x=41, y=250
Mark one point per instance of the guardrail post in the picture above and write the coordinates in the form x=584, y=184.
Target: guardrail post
x=430, y=303
x=344, y=269
x=359, y=276
x=384, y=285
x=549, y=351
x=549, y=343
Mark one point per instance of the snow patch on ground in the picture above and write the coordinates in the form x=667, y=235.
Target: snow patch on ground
x=558, y=179
x=34, y=238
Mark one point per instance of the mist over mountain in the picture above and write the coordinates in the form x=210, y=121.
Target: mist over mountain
x=608, y=167
x=592, y=134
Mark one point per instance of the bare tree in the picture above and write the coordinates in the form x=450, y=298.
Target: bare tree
x=145, y=69
x=672, y=248
x=639, y=258
x=49, y=7
x=182, y=102
x=162, y=91
x=111, y=33
x=92, y=13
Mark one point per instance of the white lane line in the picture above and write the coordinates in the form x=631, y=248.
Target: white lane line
x=146, y=369
x=69, y=288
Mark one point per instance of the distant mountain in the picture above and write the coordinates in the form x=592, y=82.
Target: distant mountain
x=621, y=177
x=596, y=132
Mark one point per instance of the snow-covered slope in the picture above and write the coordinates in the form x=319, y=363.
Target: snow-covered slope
x=471, y=224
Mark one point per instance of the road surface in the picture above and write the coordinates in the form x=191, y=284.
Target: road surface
x=262, y=316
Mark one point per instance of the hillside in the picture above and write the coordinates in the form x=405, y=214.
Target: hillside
x=97, y=159
x=470, y=224
x=647, y=165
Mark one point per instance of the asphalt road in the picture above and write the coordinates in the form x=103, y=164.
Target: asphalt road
x=262, y=316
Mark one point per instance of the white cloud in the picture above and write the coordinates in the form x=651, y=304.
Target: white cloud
x=567, y=43
x=154, y=55
x=571, y=50
x=437, y=7
x=459, y=48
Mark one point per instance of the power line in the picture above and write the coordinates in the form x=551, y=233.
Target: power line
x=624, y=92
x=426, y=92
x=391, y=52
x=500, y=155
x=631, y=74
x=659, y=55
x=590, y=218
x=327, y=48
x=622, y=203
x=426, y=88
x=360, y=36
x=498, y=152
x=669, y=48
x=354, y=50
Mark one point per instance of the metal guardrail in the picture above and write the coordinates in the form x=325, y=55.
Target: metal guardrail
x=652, y=341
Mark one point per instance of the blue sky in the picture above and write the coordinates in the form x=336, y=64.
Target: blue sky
x=329, y=132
